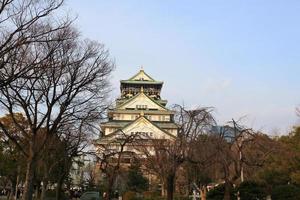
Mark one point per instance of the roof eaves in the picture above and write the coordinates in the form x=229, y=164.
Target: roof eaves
x=160, y=128
x=141, y=71
x=125, y=102
x=142, y=82
x=113, y=133
x=156, y=102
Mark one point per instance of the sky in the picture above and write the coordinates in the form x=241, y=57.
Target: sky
x=240, y=57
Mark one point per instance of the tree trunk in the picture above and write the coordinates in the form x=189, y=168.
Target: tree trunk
x=203, y=192
x=45, y=183
x=17, y=182
x=170, y=186
x=11, y=195
x=28, y=189
x=59, y=187
x=163, y=189
x=44, y=188
x=110, y=189
x=227, y=195
x=36, y=192
x=12, y=190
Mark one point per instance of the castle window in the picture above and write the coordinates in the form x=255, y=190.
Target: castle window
x=167, y=118
x=161, y=118
x=141, y=107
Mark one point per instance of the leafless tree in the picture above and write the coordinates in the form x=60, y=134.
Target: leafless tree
x=58, y=155
x=90, y=174
x=200, y=169
x=112, y=151
x=239, y=149
x=165, y=157
x=23, y=23
x=69, y=87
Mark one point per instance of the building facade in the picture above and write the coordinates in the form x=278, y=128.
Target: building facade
x=139, y=111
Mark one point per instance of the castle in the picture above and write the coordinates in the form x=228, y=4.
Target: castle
x=139, y=111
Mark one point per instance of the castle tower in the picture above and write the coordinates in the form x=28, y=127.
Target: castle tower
x=140, y=110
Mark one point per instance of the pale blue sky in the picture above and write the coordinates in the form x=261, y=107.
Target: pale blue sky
x=241, y=57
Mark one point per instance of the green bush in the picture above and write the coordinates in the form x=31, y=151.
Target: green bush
x=50, y=193
x=250, y=190
x=135, y=180
x=287, y=192
x=218, y=193
x=274, y=177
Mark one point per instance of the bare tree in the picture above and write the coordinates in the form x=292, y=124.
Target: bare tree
x=165, y=157
x=90, y=174
x=23, y=23
x=69, y=87
x=112, y=153
x=200, y=169
x=58, y=155
x=239, y=149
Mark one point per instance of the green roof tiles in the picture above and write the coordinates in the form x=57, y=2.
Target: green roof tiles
x=121, y=124
x=142, y=82
x=141, y=78
x=143, y=74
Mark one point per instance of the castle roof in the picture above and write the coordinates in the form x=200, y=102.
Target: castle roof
x=142, y=78
x=140, y=96
x=127, y=127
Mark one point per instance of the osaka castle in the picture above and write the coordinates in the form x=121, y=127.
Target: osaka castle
x=139, y=110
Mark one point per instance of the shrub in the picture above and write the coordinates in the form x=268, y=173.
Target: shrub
x=218, y=193
x=289, y=192
x=135, y=180
x=250, y=190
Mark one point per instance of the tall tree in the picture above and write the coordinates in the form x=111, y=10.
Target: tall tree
x=239, y=149
x=68, y=91
x=111, y=154
x=165, y=157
